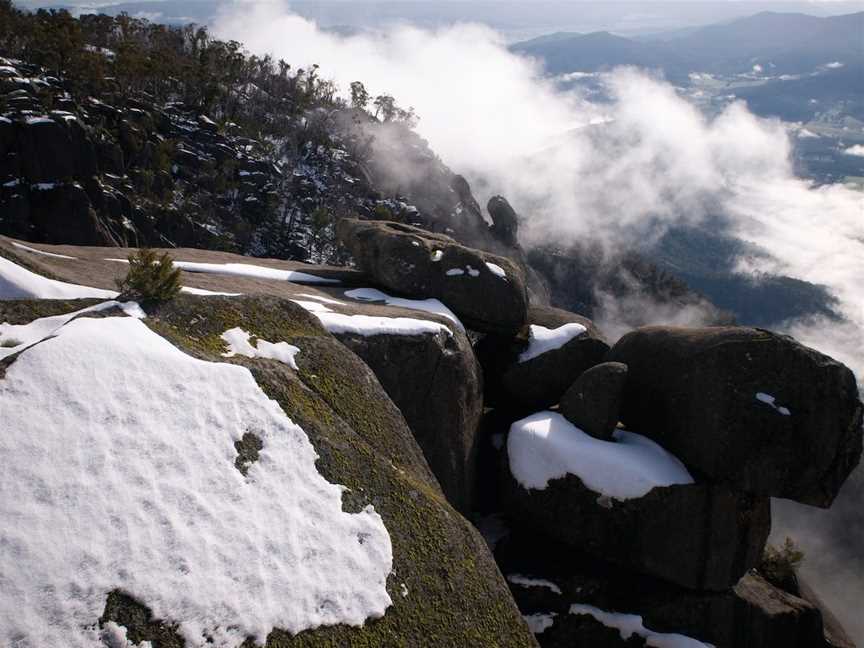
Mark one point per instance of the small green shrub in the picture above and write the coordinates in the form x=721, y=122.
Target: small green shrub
x=780, y=564
x=150, y=277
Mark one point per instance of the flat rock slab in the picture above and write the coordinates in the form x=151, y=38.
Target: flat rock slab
x=747, y=407
x=486, y=291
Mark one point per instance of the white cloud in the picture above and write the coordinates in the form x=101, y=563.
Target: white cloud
x=621, y=171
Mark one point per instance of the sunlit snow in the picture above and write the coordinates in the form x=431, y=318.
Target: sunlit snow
x=118, y=453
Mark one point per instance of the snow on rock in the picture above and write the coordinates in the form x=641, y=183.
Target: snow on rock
x=39, y=329
x=457, y=272
x=19, y=283
x=133, y=469
x=325, y=300
x=114, y=636
x=428, y=305
x=539, y=623
x=525, y=581
x=495, y=269
x=374, y=325
x=546, y=446
x=49, y=254
x=544, y=339
x=253, y=271
x=768, y=399
x=201, y=292
x=238, y=342
x=371, y=324
x=629, y=624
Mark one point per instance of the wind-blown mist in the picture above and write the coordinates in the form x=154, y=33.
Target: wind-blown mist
x=619, y=172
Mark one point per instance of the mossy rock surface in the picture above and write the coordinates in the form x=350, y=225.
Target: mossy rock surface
x=445, y=586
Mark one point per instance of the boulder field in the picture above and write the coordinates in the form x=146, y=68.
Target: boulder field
x=623, y=493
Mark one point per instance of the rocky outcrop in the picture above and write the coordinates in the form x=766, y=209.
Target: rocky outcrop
x=532, y=370
x=560, y=585
x=487, y=292
x=429, y=371
x=436, y=382
x=445, y=588
x=505, y=222
x=695, y=535
x=747, y=407
x=593, y=402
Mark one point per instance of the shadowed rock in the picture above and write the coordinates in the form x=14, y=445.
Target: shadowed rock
x=745, y=406
x=486, y=291
x=538, y=382
x=592, y=404
x=695, y=535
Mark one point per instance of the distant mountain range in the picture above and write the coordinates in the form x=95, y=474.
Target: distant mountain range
x=777, y=43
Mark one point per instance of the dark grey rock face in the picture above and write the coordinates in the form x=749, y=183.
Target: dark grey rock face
x=747, y=407
x=486, y=291
x=538, y=382
x=593, y=402
x=436, y=383
x=695, y=535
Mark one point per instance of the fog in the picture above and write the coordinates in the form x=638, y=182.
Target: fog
x=619, y=172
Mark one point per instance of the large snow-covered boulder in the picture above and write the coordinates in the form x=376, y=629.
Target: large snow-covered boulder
x=532, y=370
x=747, y=407
x=487, y=292
x=236, y=473
x=630, y=502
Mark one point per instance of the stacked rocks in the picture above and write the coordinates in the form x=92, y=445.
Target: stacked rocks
x=726, y=418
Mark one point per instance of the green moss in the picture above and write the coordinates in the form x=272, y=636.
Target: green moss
x=24, y=311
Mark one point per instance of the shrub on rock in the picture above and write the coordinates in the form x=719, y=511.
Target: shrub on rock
x=151, y=277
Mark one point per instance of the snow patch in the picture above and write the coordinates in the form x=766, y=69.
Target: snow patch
x=768, y=399
x=437, y=255
x=248, y=270
x=19, y=283
x=428, y=305
x=525, y=581
x=44, y=327
x=546, y=446
x=539, y=623
x=201, y=292
x=368, y=325
x=133, y=468
x=543, y=339
x=372, y=325
x=114, y=636
x=858, y=150
x=238, y=342
x=495, y=269
x=455, y=272
x=629, y=624
x=34, y=250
